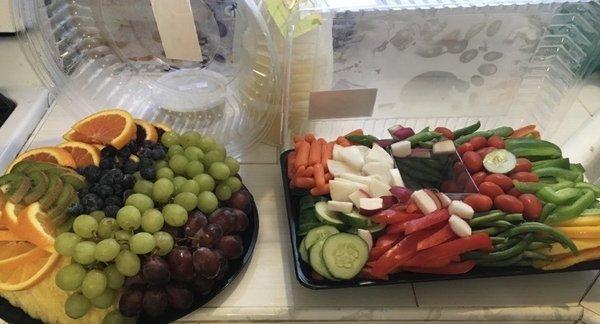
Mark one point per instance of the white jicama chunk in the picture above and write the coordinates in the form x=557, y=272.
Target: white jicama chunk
x=356, y=178
x=380, y=169
x=396, y=178
x=444, y=147
x=336, y=168
x=378, y=188
x=378, y=154
x=366, y=236
x=401, y=149
x=336, y=152
x=424, y=202
x=363, y=149
x=356, y=196
x=459, y=226
x=370, y=206
x=461, y=209
x=340, y=206
x=351, y=156
x=341, y=190
x=445, y=200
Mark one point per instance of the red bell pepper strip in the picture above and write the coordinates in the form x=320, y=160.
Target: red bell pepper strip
x=443, y=235
x=391, y=216
x=366, y=273
x=384, y=243
x=440, y=255
x=438, y=216
x=450, y=269
x=412, y=207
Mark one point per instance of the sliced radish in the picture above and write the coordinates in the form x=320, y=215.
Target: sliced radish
x=393, y=129
x=366, y=236
x=341, y=190
x=434, y=197
x=365, y=192
x=444, y=147
x=461, y=209
x=370, y=206
x=377, y=154
x=421, y=153
x=336, y=152
x=385, y=143
x=401, y=149
x=336, y=168
x=363, y=150
x=396, y=178
x=352, y=156
x=378, y=188
x=459, y=226
x=356, y=196
x=399, y=133
x=402, y=194
x=424, y=202
x=445, y=200
x=340, y=206
x=388, y=201
x=380, y=169
x=355, y=178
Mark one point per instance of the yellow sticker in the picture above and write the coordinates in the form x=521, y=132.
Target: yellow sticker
x=281, y=11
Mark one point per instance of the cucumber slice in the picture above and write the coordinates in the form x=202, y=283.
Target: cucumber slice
x=355, y=219
x=303, y=251
x=500, y=161
x=344, y=255
x=316, y=260
x=325, y=215
x=319, y=233
x=376, y=230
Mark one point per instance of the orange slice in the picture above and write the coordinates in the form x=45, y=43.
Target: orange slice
x=46, y=154
x=84, y=154
x=115, y=127
x=145, y=131
x=31, y=224
x=19, y=276
x=8, y=236
x=74, y=136
x=99, y=146
x=12, y=249
x=23, y=258
x=163, y=127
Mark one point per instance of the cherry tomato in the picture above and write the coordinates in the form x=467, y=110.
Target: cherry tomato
x=501, y=180
x=523, y=165
x=465, y=147
x=496, y=141
x=532, y=206
x=473, y=162
x=490, y=189
x=509, y=204
x=445, y=132
x=479, y=202
x=479, y=177
x=485, y=151
x=514, y=192
x=525, y=177
x=478, y=142
x=470, y=186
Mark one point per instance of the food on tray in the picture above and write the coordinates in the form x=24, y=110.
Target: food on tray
x=124, y=219
x=444, y=202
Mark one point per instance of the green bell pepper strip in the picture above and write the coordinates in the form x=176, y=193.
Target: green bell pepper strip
x=485, y=220
x=467, y=130
x=594, y=211
x=592, y=187
x=463, y=139
x=514, y=218
x=559, y=197
x=513, y=143
x=529, y=187
x=536, y=255
x=562, y=163
x=577, y=167
x=503, y=131
x=546, y=211
x=557, y=173
x=564, y=213
x=366, y=140
x=562, y=185
x=423, y=137
x=532, y=227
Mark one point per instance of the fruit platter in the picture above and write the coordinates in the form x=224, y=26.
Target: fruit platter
x=125, y=221
x=436, y=204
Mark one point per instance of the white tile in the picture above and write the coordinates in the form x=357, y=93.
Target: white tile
x=589, y=95
x=575, y=118
x=591, y=300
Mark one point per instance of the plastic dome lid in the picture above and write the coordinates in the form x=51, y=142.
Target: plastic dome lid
x=207, y=66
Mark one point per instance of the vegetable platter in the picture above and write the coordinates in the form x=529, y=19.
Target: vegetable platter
x=436, y=204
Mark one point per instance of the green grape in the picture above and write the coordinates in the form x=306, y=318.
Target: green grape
x=190, y=138
x=175, y=215
x=207, y=143
x=142, y=243
x=234, y=183
x=175, y=150
x=193, y=153
x=178, y=182
x=67, y=226
x=213, y=156
x=165, y=173
x=141, y=201
x=98, y=215
x=93, y=284
x=220, y=148
x=84, y=252
x=129, y=218
x=137, y=175
x=123, y=237
x=107, y=228
x=232, y=164
x=65, y=243
x=152, y=221
x=219, y=171
x=205, y=182
x=143, y=187
x=190, y=186
x=128, y=263
x=161, y=164
x=223, y=192
x=115, y=317
x=107, y=250
x=169, y=138
x=114, y=278
x=105, y=300
x=187, y=200
x=177, y=163
x=194, y=168
x=162, y=190
x=85, y=226
x=77, y=306
x=207, y=202
x=70, y=277
x=164, y=243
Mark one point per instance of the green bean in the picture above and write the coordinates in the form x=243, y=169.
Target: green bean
x=501, y=223
x=463, y=139
x=536, y=255
x=538, y=245
x=467, y=130
x=498, y=240
x=501, y=263
x=546, y=211
x=490, y=230
x=509, y=243
x=485, y=220
x=532, y=227
x=524, y=263
x=493, y=211
x=423, y=137
x=514, y=218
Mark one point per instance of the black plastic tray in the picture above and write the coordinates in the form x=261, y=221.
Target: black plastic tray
x=13, y=314
x=303, y=270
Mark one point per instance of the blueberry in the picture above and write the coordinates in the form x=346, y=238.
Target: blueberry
x=113, y=200
x=133, y=147
x=107, y=163
x=125, y=152
x=105, y=191
x=92, y=173
x=128, y=181
x=116, y=175
x=80, y=170
x=146, y=163
x=92, y=202
x=118, y=189
x=108, y=151
x=75, y=209
x=94, y=188
x=127, y=193
x=145, y=153
x=158, y=153
x=83, y=191
x=148, y=144
x=106, y=180
x=148, y=173
x=130, y=167
x=111, y=210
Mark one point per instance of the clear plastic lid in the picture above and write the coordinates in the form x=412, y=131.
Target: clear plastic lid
x=206, y=66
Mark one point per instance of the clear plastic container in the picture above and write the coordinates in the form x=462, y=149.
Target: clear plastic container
x=104, y=54
x=450, y=63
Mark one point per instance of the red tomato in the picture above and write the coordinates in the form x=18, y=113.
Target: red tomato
x=485, y=151
x=523, y=165
x=479, y=202
x=509, y=204
x=479, y=177
x=490, y=189
x=466, y=147
x=501, y=180
x=496, y=141
x=478, y=142
x=473, y=162
x=532, y=206
x=525, y=177
x=445, y=132
x=514, y=192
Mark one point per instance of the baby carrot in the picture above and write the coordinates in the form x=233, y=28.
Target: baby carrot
x=305, y=171
x=314, y=155
x=355, y=132
x=412, y=207
x=309, y=137
x=343, y=141
x=326, y=154
x=304, y=182
x=302, y=151
x=319, y=175
x=290, y=164
x=292, y=185
x=320, y=191
x=298, y=138
x=328, y=176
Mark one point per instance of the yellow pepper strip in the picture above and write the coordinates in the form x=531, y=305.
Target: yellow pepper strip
x=587, y=255
x=590, y=220
x=581, y=244
x=577, y=232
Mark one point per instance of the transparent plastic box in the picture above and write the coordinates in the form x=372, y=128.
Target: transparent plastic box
x=440, y=62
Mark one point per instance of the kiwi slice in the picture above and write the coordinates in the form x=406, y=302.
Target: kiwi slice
x=33, y=166
x=65, y=198
x=55, y=186
x=10, y=178
x=38, y=188
x=74, y=179
x=22, y=166
x=19, y=189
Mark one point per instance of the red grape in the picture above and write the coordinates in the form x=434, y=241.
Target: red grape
x=208, y=236
x=136, y=281
x=206, y=263
x=156, y=270
x=196, y=220
x=176, y=232
x=180, y=264
x=241, y=220
x=241, y=200
x=224, y=217
x=130, y=303
x=155, y=301
x=224, y=268
x=231, y=246
x=203, y=286
x=179, y=297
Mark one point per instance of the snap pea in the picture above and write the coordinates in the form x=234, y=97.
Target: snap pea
x=592, y=187
x=549, y=180
x=423, y=137
x=536, y=153
x=486, y=220
x=503, y=131
x=502, y=263
x=532, y=227
x=559, y=197
x=514, y=218
x=467, y=130
x=557, y=173
x=579, y=177
x=538, y=245
x=513, y=143
x=562, y=163
x=536, y=255
x=426, y=129
x=463, y=139
x=366, y=140
x=546, y=211
x=564, y=213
